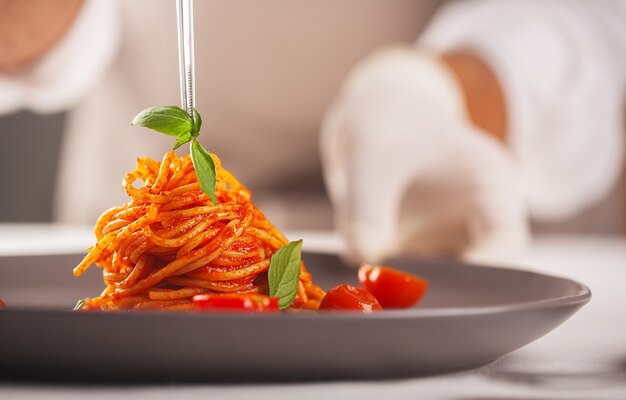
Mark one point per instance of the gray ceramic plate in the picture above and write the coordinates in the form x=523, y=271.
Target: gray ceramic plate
x=470, y=316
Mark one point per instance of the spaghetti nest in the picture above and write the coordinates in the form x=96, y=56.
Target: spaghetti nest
x=169, y=242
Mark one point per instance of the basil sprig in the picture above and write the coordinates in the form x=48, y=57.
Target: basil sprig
x=205, y=169
x=174, y=121
x=284, y=272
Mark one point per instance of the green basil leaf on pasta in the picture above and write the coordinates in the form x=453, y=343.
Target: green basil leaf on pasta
x=197, y=123
x=284, y=272
x=174, y=121
x=170, y=120
x=182, y=139
x=205, y=169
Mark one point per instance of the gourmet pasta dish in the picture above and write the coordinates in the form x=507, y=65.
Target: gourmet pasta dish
x=191, y=238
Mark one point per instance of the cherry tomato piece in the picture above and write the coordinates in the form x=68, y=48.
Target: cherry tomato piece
x=392, y=288
x=236, y=302
x=346, y=297
x=2, y=304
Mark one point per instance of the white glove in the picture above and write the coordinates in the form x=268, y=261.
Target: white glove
x=409, y=175
x=562, y=67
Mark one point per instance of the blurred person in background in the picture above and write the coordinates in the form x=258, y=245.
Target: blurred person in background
x=501, y=111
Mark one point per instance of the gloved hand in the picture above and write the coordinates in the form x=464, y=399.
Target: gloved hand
x=407, y=172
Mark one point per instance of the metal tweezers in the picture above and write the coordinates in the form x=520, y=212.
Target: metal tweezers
x=184, y=10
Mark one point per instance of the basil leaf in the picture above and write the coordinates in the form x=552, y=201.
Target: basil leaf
x=170, y=120
x=284, y=272
x=197, y=123
x=174, y=121
x=205, y=169
x=80, y=304
x=182, y=139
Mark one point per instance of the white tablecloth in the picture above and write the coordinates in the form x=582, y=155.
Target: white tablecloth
x=585, y=358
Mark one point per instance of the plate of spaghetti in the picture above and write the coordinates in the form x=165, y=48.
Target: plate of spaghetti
x=200, y=286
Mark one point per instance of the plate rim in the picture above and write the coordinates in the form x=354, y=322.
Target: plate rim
x=581, y=297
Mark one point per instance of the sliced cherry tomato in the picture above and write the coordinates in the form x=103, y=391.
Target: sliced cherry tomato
x=236, y=302
x=392, y=288
x=346, y=297
x=2, y=304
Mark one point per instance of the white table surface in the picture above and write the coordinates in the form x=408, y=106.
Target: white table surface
x=585, y=358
